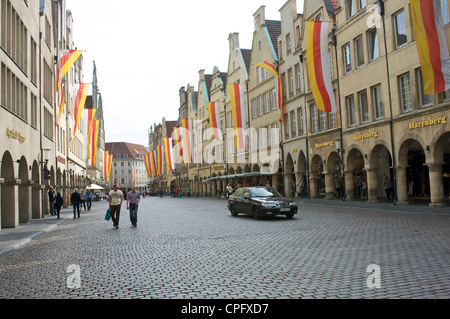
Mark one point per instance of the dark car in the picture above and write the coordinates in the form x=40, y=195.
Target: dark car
x=261, y=201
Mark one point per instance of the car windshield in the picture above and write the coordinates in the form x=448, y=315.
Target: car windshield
x=265, y=192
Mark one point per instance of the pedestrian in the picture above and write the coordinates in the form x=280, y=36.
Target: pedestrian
x=133, y=199
x=89, y=196
x=58, y=203
x=76, y=200
x=359, y=184
x=51, y=200
x=83, y=200
x=188, y=192
x=387, y=187
x=229, y=190
x=337, y=186
x=115, y=202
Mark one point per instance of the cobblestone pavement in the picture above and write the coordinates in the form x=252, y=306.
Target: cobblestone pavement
x=194, y=248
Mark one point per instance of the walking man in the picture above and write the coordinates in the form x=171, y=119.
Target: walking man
x=133, y=199
x=89, y=196
x=76, y=201
x=387, y=185
x=115, y=202
x=51, y=200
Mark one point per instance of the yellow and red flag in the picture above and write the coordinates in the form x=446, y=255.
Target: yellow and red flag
x=64, y=64
x=90, y=120
x=318, y=60
x=271, y=68
x=214, y=119
x=168, y=154
x=187, y=140
x=81, y=90
x=159, y=159
x=107, y=161
x=178, y=143
x=94, y=141
x=147, y=165
x=431, y=44
x=239, y=113
x=134, y=175
x=153, y=164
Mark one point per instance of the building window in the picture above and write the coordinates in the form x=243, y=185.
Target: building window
x=400, y=29
x=298, y=71
x=275, y=138
x=273, y=99
x=377, y=102
x=300, y=121
x=266, y=100
x=253, y=108
x=293, y=124
x=361, y=4
x=314, y=119
x=347, y=58
x=405, y=93
x=444, y=11
x=425, y=99
x=359, y=51
x=350, y=101
x=331, y=120
x=260, y=107
x=322, y=120
x=373, y=44
x=363, y=107
x=350, y=8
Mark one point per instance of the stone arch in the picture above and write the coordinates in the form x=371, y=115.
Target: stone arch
x=333, y=176
x=440, y=170
x=289, y=177
x=380, y=165
x=355, y=166
x=301, y=176
x=316, y=177
x=9, y=193
x=24, y=192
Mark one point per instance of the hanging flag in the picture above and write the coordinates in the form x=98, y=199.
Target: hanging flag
x=239, y=113
x=105, y=165
x=68, y=59
x=271, y=68
x=431, y=44
x=134, y=175
x=187, y=140
x=147, y=165
x=318, y=60
x=89, y=121
x=153, y=164
x=80, y=93
x=214, y=120
x=168, y=154
x=178, y=142
x=159, y=159
x=94, y=141
x=110, y=158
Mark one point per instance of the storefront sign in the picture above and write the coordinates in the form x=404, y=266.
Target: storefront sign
x=61, y=160
x=294, y=150
x=429, y=122
x=324, y=144
x=365, y=136
x=15, y=135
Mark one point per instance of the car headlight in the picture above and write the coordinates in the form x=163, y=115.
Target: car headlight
x=293, y=204
x=266, y=204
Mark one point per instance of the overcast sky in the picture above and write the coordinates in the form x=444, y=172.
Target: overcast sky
x=145, y=51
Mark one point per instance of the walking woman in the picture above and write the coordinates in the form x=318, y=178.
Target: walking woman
x=58, y=203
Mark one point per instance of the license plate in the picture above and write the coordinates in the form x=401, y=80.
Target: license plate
x=285, y=209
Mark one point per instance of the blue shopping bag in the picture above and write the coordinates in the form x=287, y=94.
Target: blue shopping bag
x=108, y=214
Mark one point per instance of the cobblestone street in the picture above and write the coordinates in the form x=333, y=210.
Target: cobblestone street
x=193, y=248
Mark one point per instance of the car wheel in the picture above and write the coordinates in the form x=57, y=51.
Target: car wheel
x=255, y=212
x=233, y=211
x=289, y=215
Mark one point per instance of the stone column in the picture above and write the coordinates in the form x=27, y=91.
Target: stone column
x=213, y=188
x=372, y=185
x=25, y=200
x=402, y=186
x=330, y=190
x=36, y=201
x=10, y=216
x=1, y=184
x=349, y=187
x=314, y=186
x=288, y=185
x=300, y=183
x=436, y=185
